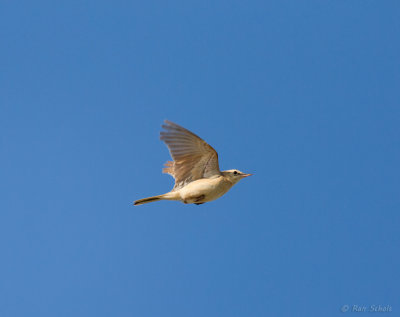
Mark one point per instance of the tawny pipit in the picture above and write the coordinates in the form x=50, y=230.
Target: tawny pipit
x=195, y=168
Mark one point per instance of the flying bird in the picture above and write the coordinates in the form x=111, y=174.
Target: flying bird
x=195, y=168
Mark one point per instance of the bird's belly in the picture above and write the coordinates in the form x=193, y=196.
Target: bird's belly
x=204, y=190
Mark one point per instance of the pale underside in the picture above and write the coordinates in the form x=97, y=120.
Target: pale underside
x=193, y=158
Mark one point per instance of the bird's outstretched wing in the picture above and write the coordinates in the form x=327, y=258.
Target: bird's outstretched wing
x=193, y=157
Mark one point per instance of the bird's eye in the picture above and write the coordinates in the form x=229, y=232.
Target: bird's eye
x=235, y=173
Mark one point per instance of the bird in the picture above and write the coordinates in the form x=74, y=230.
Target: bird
x=194, y=167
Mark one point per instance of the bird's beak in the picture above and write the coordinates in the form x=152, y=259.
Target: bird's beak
x=246, y=175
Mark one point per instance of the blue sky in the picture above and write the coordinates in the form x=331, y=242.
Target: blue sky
x=304, y=94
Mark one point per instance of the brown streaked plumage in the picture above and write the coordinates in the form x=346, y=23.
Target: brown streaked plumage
x=194, y=167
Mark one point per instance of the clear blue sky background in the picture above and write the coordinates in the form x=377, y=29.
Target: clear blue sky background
x=304, y=94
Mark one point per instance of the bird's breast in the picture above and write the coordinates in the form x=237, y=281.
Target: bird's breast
x=211, y=188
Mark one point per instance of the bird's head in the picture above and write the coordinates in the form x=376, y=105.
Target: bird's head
x=234, y=175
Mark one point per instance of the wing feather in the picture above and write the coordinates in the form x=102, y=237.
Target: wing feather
x=192, y=157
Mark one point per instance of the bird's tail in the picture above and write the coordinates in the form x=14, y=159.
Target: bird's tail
x=147, y=200
x=167, y=196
